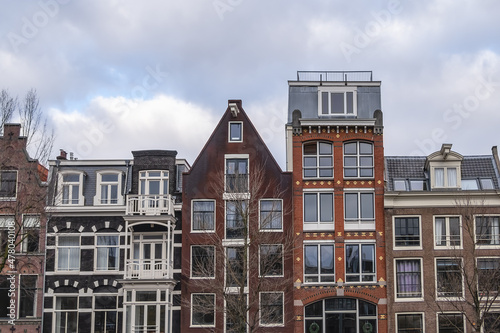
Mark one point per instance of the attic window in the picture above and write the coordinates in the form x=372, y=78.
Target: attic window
x=235, y=131
x=445, y=177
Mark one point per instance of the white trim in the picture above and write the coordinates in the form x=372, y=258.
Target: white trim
x=447, y=299
x=318, y=225
x=406, y=248
x=358, y=156
x=229, y=139
x=447, y=229
x=57, y=249
x=410, y=313
x=360, y=273
x=281, y=211
x=317, y=156
x=338, y=89
x=96, y=246
x=99, y=184
x=61, y=184
x=318, y=245
x=408, y=299
x=354, y=225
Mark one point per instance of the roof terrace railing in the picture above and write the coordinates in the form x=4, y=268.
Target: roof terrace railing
x=324, y=76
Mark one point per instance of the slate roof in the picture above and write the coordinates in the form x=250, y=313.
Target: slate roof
x=412, y=167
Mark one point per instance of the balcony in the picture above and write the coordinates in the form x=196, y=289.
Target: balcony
x=335, y=76
x=148, y=269
x=153, y=204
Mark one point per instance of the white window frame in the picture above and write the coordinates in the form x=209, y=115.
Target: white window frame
x=191, y=262
x=192, y=215
x=318, y=156
x=464, y=320
x=344, y=90
x=422, y=314
x=445, y=167
x=145, y=175
x=318, y=245
x=95, y=311
x=236, y=239
x=229, y=138
x=360, y=223
x=447, y=230
x=408, y=299
x=229, y=195
x=495, y=238
x=358, y=157
x=282, y=261
x=100, y=183
x=191, y=310
x=14, y=197
x=117, y=246
x=58, y=248
x=62, y=184
x=30, y=226
x=282, y=309
x=359, y=243
x=446, y=298
x=411, y=248
x=55, y=311
x=272, y=212
x=233, y=289
x=35, y=295
x=318, y=225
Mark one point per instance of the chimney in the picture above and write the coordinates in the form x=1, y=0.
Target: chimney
x=62, y=155
x=11, y=131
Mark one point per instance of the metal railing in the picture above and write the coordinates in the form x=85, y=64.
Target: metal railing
x=341, y=76
x=148, y=269
x=150, y=204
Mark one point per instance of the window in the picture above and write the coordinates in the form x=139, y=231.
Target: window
x=487, y=230
x=236, y=304
x=4, y=296
x=27, y=294
x=407, y=232
x=358, y=159
x=410, y=322
x=235, y=131
x=451, y=323
x=109, y=187
x=71, y=188
x=271, y=211
x=180, y=169
x=318, y=160
x=6, y=222
x=318, y=210
x=488, y=276
x=237, y=175
x=107, y=250
x=202, y=261
x=235, y=267
x=31, y=233
x=445, y=177
x=476, y=184
x=360, y=262
x=8, y=184
x=410, y=185
x=408, y=278
x=202, y=310
x=271, y=260
x=359, y=209
x=447, y=232
x=236, y=219
x=68, y=253
x=66, y=313
x=340, y=315
x=337, y=101
x=491, y=322
x=153, y=183
x=271, y=309
x=319, y=263
x=203, y=215
x=105, y=314
x=449, y=278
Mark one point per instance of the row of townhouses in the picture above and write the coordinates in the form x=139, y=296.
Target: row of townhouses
x=232, y=243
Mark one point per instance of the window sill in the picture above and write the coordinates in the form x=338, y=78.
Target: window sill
x=326, y=227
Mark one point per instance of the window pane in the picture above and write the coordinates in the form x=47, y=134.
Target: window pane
x=235, y=131
x=350, y=148
x=351, y=205
x=367, y=208
x=109, y=177
x=452, y=177
x=337, y=103
x=310, y=207
x=327, y=260
x=325, y=148
x=439, y=177
x=349, y=101
x=326, y=204
x=487, y=184
x=311, y=259
x=365, y=148
x=324, y=103
x=203, y=309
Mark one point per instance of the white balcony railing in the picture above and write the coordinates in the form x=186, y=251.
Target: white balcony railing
x=150, y=204
x=144, y=328
x=148, y=269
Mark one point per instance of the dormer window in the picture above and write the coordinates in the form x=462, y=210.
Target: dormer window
x=337, y=101
x=444, y=167
x=445, y=177
x=70, y=188
x=108, y=188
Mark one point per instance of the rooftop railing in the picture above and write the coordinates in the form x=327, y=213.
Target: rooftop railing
x=324, y=76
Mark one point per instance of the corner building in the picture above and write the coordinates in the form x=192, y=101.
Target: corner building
x=334, y=139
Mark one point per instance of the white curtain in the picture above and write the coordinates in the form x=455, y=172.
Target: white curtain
x=439, y=231
x=452, y=177
x=439, y=177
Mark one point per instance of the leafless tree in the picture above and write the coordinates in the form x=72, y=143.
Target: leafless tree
x=8, y=105
x=469, y=282
x=247, y=266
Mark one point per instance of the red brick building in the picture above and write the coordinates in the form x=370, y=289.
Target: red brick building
x=335, y=151
x=22, y=234
x=236, y=234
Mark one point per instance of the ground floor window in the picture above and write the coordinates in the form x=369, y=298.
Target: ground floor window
x=451, y=323
x=148, y=310
x=66, y=313
x=410, y=323
x=105, y=314
x=343, y=315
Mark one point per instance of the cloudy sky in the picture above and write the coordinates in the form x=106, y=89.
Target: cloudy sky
x=116, y=76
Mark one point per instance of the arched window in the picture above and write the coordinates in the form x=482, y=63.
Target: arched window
x=318, y=159
x=358, y=159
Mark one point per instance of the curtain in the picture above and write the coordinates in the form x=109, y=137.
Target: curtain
x=452, y=177
x=408, y=278
x=495, y=231
x=440, y=235
x=439, y=177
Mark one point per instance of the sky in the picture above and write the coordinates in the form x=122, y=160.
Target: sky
x=116, y=76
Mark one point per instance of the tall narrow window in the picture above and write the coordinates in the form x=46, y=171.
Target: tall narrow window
x=202, y=310
x=319, y=263
x=180, y=169
x=107, y=249
x=489, y=276
x=8, y=184
x=105, y=314
x=488, y=230
x=358, y=159
x=408, y=278
x=203, y=215
x=68, y=253
x=318, y=160
x=4, y=296
x=27, y=293
x=235, y=267
x=271, y=260
x=237, y=175
x=236, y=219
x=109, y=187
x=71, y=188
x=360, y=262
x=31, y=233
x=6, y=222
x=202, y=261
x=66, y=314
x=449, y=278
x=235, y=131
